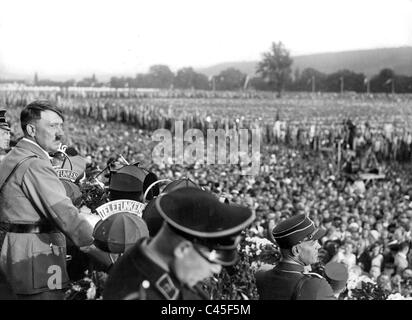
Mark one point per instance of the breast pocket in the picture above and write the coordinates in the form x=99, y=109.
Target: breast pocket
x=49, y=268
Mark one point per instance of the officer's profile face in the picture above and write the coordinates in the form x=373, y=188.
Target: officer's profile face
x=47, y=131
x=308, y=251
x=190, y=266
x=4, y=139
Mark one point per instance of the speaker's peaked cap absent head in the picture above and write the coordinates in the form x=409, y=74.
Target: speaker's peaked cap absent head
x=132, y=178
x=3, y=124
x=152, y=217
x=201, y=218
x=296, y=229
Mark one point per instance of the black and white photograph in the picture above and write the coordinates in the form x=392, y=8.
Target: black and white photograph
x=242, y=151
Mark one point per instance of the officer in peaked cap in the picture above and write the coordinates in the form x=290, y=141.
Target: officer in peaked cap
x=4, y=133
x=297, y=238
x=199, y=236
x=3, y=122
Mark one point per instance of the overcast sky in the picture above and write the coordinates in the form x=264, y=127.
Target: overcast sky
x=127, y=36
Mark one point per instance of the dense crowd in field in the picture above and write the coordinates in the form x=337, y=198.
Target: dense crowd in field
x=369, y=222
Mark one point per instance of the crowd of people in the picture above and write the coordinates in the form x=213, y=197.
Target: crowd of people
x=387, y=140
x=132, y=93
x=368, y=223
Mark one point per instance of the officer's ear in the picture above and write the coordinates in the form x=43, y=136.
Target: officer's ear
x=182, y=249
x=295, y=250
x=31, y=129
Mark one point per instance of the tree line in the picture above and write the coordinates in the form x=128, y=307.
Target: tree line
x=309, y=79
x=273, y=73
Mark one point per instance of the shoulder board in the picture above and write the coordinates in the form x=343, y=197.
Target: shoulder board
x=313, y=274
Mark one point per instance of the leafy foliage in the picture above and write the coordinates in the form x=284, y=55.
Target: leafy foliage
x=369, y=291
x=275, y=66
x=230, y=79
x=89, y=288
x=93, y=195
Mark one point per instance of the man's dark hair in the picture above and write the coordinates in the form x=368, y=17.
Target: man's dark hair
x=33, y=112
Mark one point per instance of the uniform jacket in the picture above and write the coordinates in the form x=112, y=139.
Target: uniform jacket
x=280, y=282
x=6, y=292
x=136, y=277
x=35, y=194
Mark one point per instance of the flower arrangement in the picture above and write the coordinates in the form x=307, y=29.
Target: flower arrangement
x=238, y=282
x=93, y=195
x=367, y=290
x=397, y=296
x=88, y=288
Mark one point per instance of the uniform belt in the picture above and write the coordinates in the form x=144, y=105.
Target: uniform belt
x=27, y=227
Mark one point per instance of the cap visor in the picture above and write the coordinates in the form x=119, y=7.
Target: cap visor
x=227, y=257
x=319, y=233
x=224, y=257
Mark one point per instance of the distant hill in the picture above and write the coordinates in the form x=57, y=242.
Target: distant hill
x=369, y=62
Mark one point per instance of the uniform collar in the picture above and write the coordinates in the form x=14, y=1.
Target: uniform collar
x=287, y=266
x=34, y=147
x=164, y=282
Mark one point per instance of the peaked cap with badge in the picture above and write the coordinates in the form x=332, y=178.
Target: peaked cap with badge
x=289, y=280
x=200, y=217
x=296, y=229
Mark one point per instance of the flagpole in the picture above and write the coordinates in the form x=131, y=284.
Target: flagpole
x=339, y=155
x=366, y=81
x=393, y=86
x=246, y=83
x=313, y=84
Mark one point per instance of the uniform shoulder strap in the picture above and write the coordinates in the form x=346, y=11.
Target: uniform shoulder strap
x=314, y=275
x=4, y=181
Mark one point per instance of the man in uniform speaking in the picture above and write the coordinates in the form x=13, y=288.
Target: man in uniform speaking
x=35, y=213
x=297, y=238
